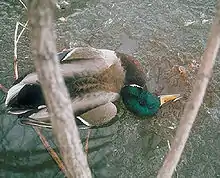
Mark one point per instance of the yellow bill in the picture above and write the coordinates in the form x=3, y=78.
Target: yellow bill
x=167, y=98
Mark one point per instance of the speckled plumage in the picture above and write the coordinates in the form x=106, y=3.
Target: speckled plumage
x=103, y=81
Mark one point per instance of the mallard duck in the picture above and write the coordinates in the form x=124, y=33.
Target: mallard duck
x=95, y=78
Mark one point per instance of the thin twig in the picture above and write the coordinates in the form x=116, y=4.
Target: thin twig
x=15, y=52
x=16, y=39
x=87, y=141
x=195, y=101
x=3, y=88
x=24, y=27
x=50, y=150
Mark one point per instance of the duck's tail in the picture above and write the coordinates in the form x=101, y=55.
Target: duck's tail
x=13, y=93
x=81, y=123
x=37, y=123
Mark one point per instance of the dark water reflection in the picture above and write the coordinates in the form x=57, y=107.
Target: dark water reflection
x=162, y=34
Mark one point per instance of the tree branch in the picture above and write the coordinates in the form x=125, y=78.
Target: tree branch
x=196, y=99
x=55, y=92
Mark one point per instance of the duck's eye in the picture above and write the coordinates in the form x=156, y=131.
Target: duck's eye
x=142, y=102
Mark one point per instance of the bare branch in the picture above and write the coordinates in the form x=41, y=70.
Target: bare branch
x=55, y=92
x=5, y=90
x=196, y=99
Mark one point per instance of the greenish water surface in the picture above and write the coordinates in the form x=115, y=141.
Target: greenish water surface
x=162, y=35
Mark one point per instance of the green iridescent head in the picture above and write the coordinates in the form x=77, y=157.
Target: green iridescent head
x=139, y=101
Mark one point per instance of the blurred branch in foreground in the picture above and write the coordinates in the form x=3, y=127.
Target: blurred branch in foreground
x=196, y=99
x=57, y=97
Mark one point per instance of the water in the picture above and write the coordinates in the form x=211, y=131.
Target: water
x=163, y=35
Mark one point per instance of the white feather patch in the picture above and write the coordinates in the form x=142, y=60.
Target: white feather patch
x=83, y=121
x=41, y=107
x=69, y=54
x=135, y=85
x=13, y=92
x=18, y=112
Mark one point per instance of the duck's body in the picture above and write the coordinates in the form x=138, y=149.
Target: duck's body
x=95, y=79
